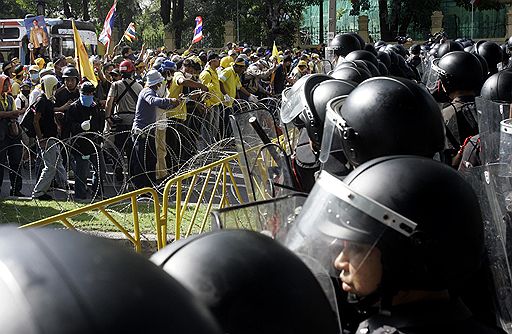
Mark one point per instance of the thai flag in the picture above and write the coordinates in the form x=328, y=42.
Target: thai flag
x=198, y=31
x=130, y=32
x=106, y=33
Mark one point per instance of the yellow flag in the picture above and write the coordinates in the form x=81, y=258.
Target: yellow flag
x=84, y=66
x=275, y=53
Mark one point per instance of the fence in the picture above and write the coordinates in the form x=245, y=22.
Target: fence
x=188, y=193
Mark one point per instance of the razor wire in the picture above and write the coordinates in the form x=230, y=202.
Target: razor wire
x=186, y=147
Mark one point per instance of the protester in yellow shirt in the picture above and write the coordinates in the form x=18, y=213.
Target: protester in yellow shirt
x=229, y=85
x=210, y=78
x=177, y=134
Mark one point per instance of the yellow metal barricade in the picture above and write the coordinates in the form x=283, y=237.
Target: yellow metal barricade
x=220, y=173
x=205, y=183
x=64, y=218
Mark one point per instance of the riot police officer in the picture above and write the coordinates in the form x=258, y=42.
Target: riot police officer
x=460, y=77
x=400, y=262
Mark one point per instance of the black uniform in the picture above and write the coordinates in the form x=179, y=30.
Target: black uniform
x=425, y=318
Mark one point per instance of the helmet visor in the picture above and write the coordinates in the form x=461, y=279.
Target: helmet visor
x=294, y=100
x=335, y=217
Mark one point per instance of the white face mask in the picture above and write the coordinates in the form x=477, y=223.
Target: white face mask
x=188, y=75
x=168, y=77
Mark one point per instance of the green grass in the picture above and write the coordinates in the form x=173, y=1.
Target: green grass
x=22, y=212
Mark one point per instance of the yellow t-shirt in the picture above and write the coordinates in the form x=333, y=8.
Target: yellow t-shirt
x=210, y=79
x=180, y=112
x=231, y=82
x=15, y=87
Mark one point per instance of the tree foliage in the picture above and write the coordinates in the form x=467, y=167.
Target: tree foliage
x=396, y=17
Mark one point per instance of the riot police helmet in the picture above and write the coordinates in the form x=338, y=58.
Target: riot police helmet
x=415, y=49
x=387, y=116
x=314, y=116
x=343, y=44
x=498, y=87
x=57, y=281
x=362, y=43
x=383, y=70
x=386, y=205
x=351, y=73
x=250, y=282
x=370, y=48
x=491, y=52
x=385, y=58
x=299, y=96
x=380, y=44
x=70, y=72
x=459, y=70
x=362, y=55
x=447, y=47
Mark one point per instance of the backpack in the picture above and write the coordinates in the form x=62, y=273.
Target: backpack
x=27, y=122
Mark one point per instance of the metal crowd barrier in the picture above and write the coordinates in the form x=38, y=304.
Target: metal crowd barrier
x=180, y=188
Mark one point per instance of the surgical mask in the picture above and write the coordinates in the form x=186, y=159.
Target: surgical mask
x=34, y=76
x=168, y=77
x=188, y=75
x=86, y=100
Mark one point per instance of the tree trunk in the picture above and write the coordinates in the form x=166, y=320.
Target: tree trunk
x=67, y=10
x=165, y=11
x=404, y=25
x=85, y=10
x=394, y=19
x=178, y=13
x=385, y=33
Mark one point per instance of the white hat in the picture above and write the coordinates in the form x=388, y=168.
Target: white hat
x=153, y=77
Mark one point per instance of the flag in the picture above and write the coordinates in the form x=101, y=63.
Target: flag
x=106, y=33
x=130, y=32
x=198, y=31
x=84, y=66
x=275, y=53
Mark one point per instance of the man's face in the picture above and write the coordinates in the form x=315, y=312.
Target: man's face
x=361, y=268
x=302, y=68
x=239, y=69
x=59, y=65
x=214, y=63
x=70, y=83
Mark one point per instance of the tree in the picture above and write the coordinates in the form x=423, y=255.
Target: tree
x=397, y=16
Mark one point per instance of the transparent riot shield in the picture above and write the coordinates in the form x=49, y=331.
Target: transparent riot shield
x=489, y=115
x=327, y=66
x=264, y=164
x=430, y=74
x=274, y=218
x=494, y=192
x=332, y=156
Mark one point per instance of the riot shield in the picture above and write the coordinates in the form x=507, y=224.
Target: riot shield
x=263, y=162
x=430, y=74
x=332, y=157
x=494, y=192
x=295, y=99
x=489, y=115
x=327, y=66
x=272, y=217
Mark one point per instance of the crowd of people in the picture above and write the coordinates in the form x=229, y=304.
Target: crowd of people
x=159, y=107
x=394, y=235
